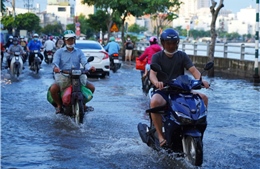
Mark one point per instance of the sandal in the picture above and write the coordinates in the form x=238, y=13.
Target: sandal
x=88, y=108
x=58, y=110
x=163, y=143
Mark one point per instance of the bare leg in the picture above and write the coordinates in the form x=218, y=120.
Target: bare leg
x=157, y=100
x=55, y=90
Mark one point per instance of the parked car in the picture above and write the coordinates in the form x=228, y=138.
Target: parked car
x=101, y=58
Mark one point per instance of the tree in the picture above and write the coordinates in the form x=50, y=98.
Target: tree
x=214, y=12
x=27, y=21
x=53, y=29
x=136, y=28
x=8, y=22
x=3, y=6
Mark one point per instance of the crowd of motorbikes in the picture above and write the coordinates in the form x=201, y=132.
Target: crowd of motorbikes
x=184, y=117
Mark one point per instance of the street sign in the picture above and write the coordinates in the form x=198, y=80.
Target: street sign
x=114, y=28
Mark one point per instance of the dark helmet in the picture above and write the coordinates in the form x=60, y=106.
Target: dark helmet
x=15, y=40
x=170, y=34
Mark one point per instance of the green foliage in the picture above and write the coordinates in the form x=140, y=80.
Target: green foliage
x=8, y=22
x=27, y=21
x=136, y=28
x=53, y=29
x=3, y=6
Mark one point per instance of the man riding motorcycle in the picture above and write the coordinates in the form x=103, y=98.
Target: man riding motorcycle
x=34, y=44
x=66, y=58
x=49, y=45
x=112, y=48
x=15, y=47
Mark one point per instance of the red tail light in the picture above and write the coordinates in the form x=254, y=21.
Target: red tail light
x=106, y=55
x=115, y=54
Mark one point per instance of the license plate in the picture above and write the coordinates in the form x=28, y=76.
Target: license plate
x=116, y=61
x=49, y=56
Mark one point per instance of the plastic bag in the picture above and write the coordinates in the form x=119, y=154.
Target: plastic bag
x=140, y=65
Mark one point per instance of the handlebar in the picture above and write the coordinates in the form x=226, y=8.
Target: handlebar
x=74, y=71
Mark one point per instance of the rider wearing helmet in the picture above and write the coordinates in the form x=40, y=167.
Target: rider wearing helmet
x=23, y=43
x=9, y=42
x=34, y=44
x=112, y=47
x=49, y=45
x=172, y=62
x=65, y=58
x=15, y=47
x=149, y=52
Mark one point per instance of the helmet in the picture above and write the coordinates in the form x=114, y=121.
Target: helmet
x=153, y=40
x=21, y=37
x=69, y=34
x=35, y=35
x=15, y=40
x=112, y=38
x=11, y=37
x=170, y=34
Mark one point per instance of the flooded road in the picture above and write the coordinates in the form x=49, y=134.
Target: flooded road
x=33, y=136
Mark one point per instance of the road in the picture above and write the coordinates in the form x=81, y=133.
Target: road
x=33, y=136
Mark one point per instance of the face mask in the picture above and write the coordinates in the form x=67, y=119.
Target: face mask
x=128, y=38
x=11, y=40
x=35, y=39
x=15, y=43
x=168, y=53
x=70, y=46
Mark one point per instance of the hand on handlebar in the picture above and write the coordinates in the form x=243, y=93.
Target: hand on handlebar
x=205, y=84
x=92, y=69
x=56, y=70
x=159, y=85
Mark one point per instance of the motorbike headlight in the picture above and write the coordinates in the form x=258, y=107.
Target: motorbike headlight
x=184, y=119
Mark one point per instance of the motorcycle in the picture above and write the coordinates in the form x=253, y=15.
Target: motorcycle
x=49, y=57
x=184, y=118
x=75, y=96
x=37, y=61
x=114, y=62
x=16, y=65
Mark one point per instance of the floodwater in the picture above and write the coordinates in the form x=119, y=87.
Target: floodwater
x=33, y=136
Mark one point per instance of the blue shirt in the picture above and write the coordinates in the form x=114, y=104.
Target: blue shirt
x=34, y=45
x=112, y=47
x=65, y=59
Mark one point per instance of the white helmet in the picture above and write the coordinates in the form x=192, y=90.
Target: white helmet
x=11, y=37
x=69, y=34
x=35, y=35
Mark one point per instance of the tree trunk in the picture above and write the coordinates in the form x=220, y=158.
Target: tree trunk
x=214, y=13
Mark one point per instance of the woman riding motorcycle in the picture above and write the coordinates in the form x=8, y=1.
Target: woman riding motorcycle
x=15, y=47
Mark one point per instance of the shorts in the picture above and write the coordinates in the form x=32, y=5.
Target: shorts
x=64, y=81
x=147, y=67
x=128, y=52
x=164, y=95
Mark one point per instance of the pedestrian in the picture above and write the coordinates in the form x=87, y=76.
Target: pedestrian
x=129, y=46
x=173, y=62
x=66, y=58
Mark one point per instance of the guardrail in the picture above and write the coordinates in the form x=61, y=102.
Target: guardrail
x=239, y=51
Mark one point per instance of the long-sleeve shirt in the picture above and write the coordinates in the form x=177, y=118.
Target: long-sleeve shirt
x=149, y=51
x=65, y=59
x=34, y=45
x=112, y=47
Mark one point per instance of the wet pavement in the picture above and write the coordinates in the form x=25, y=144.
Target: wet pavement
x=33, y=136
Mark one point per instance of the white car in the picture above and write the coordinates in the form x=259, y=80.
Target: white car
x=101, y=58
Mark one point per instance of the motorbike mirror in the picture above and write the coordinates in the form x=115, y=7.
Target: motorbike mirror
x=91, y=58
x=208, y=66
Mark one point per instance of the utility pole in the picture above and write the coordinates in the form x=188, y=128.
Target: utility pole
x=28, y=4
x=256, y=75
x=13, y=5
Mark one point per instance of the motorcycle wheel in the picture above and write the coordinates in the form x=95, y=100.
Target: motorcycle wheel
x=78, y=114
x=194, y=148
